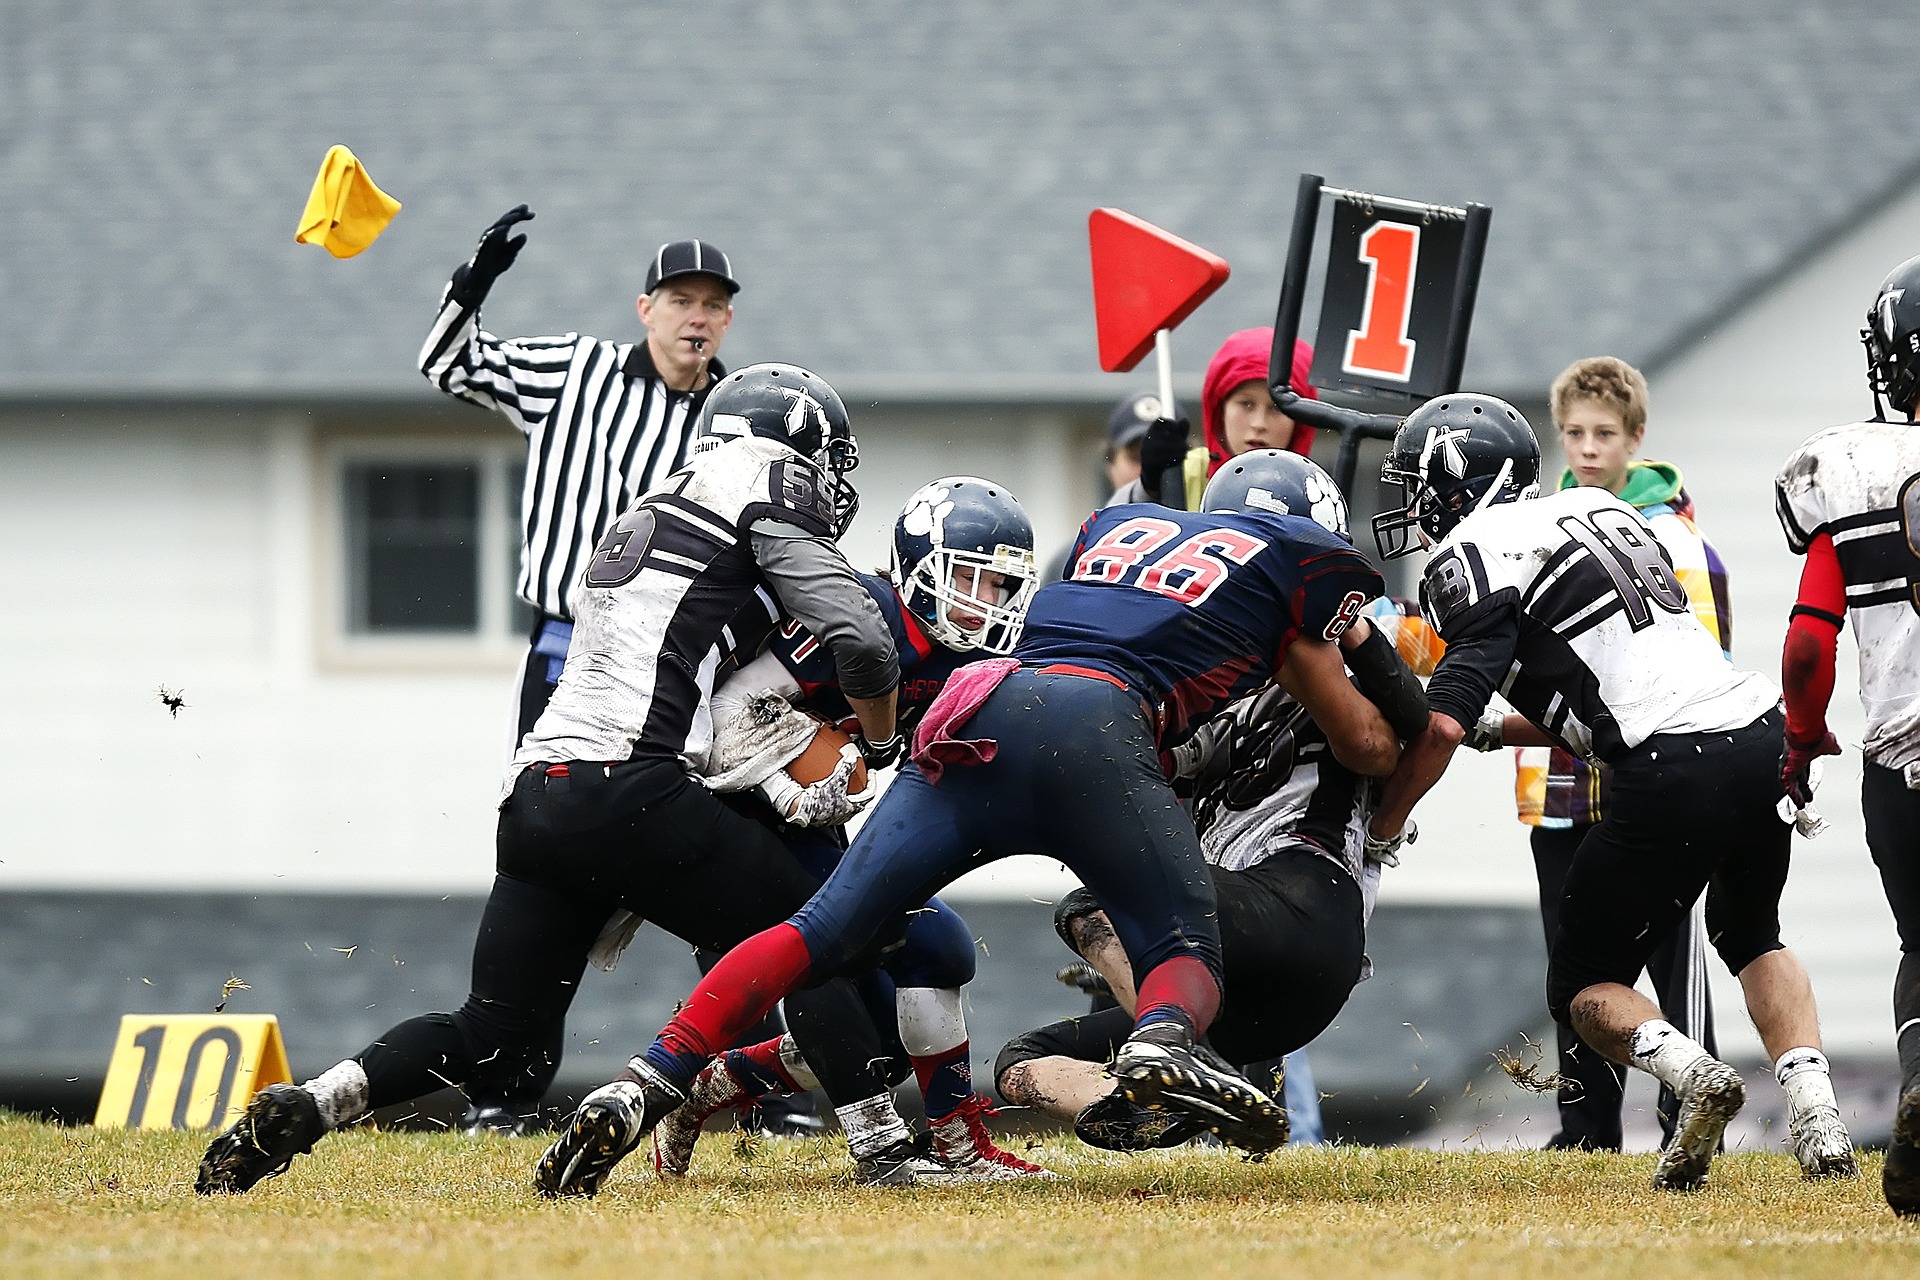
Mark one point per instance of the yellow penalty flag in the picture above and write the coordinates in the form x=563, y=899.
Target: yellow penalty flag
x=345, y=211
x=189, y=1071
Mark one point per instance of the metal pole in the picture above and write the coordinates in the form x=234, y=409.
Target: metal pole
x=1293, y=284
x=1466, y=289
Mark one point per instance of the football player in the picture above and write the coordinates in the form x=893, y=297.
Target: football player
x=599, y=809
x=1849, y=500
x=1279, y=819
x=1166, y=617
x=1569, y=606
x=961, y=578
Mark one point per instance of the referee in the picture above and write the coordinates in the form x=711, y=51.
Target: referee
x=605, y=422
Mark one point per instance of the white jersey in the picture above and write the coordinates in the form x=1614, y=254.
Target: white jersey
x=1860, y=484
x=659, y=603
x=1578, y=605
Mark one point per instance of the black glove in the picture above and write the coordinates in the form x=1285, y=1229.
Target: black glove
x=496, y=253
x=882, y=754
x=1164, y=449
x=1797, y=762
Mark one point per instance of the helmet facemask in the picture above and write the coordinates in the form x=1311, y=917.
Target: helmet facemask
x=838, y=457
x=932, y=591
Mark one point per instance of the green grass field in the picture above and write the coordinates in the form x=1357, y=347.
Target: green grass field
x=87, y=1202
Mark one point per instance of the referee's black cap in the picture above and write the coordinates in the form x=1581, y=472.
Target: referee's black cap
x=687, y=258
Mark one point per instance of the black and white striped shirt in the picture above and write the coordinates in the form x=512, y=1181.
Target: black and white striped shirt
x=602, y=428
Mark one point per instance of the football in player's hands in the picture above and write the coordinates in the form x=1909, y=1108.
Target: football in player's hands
x=823, y=755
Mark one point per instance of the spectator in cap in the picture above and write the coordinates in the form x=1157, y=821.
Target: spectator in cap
x=1238, y=414
x=605, y=422
x=1126, y=428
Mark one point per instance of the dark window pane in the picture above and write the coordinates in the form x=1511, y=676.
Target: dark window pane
x=413, y=536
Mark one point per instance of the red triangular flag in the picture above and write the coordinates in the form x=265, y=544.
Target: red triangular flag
x=1144, y=280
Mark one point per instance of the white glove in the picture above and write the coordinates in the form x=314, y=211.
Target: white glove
x=1387, y=852
x=1487, y=732
x=828, y=802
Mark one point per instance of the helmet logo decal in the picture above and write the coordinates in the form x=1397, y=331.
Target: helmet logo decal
x=1329, y=508
x=803, y=412
x=1446, y=440
x=926, y=514
x=1889, y=298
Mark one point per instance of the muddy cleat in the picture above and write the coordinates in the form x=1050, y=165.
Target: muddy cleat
x=900, y=1164
x=1162, y=1069
x=493, y=1120
x=1113, y=1123
x=1900, y=1180
x=1082, y=976
x=714, y=1090
x=281, y=1122
x=1713, y=1096
x=609, y=1123
x=1821, y=1144
x=967, y=1152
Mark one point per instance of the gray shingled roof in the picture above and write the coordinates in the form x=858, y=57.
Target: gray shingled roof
x=903, y=188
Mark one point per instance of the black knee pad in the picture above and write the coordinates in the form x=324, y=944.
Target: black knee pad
x=1078, y=903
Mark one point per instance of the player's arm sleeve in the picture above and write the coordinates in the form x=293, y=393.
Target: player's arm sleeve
x=519, y=377
x=1813, y=634
x=1797, y=501
x=816, y=586
x=1480, y=645
x=1388, y=683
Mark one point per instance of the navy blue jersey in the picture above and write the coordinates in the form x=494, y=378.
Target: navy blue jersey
x=924, y=664
x=1193, y=610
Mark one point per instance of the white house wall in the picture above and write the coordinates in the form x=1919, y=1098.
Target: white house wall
x=189, y=549
x=1729, y=411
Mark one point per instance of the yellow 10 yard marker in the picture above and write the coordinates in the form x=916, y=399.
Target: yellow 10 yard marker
x=189, y=1071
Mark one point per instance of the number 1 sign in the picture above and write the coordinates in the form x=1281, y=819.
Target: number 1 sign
x=1389, y=302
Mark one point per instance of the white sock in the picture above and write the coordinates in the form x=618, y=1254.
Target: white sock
x=1666, y=1053
x=340, y=1092
x=1804, y=1074
x=796, y=1065
x=872, y=1125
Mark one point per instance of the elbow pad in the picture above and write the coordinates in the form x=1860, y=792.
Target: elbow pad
x=1389, y=684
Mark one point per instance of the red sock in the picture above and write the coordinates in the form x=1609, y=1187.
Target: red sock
x=735, y=994
x=1184, y=983
x=759, y=1069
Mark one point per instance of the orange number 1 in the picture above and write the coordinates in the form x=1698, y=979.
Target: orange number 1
x=1380, y=345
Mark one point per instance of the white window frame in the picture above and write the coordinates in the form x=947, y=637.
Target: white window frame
x=498, y=644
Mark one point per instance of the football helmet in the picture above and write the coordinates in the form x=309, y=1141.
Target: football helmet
x=1277, y=480
x=1453, y=456
x=787, y=403
x=1892, y=339
x=950, y=532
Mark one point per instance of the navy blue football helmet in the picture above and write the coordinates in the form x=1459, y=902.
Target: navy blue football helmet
x=1281, y=481
x=1453, y=456
x=787, y=403
x=950, y=534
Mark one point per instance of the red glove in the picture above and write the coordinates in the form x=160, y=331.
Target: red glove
x=1798, y=760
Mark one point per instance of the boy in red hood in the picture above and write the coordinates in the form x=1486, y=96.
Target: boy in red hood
x=1237, y=414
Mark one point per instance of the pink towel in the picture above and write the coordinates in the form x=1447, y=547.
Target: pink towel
x=934, y=746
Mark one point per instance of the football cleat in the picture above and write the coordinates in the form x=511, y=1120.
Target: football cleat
x=714, y=1090
x=779, y=1115
x=494, y=1120
x=1162, y=1069
x=1900, y=1180
x=1082, y=976
x=1821, y=1144
x=1114, y=1123
x=899, y=1164
x=1713, y=1096
x=281, y=1122
x=967, y=1153
x=607, y=1126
